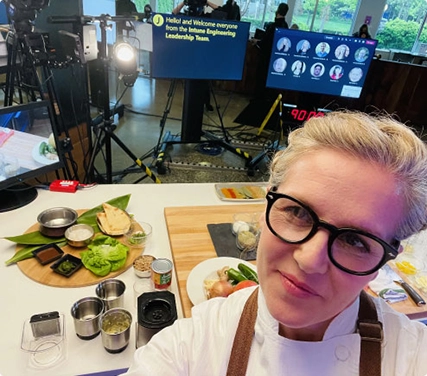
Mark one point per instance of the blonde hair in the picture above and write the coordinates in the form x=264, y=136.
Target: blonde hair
x=377, y=139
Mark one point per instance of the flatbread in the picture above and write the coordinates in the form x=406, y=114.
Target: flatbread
x=113, y=221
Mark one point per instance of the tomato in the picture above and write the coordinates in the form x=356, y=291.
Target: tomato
x=244, y=284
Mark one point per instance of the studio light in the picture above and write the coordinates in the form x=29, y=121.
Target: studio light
x=124, y=57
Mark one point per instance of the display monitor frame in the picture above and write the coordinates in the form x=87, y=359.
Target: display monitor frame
x=23, y=128
x=198, y=48
x=319, y=63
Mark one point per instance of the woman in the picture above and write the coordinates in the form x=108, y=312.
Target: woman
x=342, y=195
x=337, y=72
x=342, y=51
x=298, y=68
x=304, y=46
x=363, y=32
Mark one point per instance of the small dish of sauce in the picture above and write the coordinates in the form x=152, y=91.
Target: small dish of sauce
x=48, y=253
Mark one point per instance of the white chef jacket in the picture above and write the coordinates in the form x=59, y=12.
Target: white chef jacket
x=201, y=345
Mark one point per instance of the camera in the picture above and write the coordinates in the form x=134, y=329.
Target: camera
x=23, y=12
x=195, y=7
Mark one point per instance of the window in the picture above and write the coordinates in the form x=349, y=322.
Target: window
x=402, y=25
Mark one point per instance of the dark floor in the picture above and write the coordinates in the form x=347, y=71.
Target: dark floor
x=145, y=122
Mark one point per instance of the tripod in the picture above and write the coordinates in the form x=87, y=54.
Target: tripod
x=192, y=118
x=32, y=52
x=275, y=145
x=106, y=127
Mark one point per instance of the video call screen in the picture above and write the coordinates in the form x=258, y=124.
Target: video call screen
x=319, y=63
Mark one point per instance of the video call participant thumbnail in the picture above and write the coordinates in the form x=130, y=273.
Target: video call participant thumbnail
x=323, y=49
x=283, y=44
x=298, y=68
x=317, y=70
x=355, y=74
x=303, y=46
x=279, y=65
x=342, y=51
x=336, y=72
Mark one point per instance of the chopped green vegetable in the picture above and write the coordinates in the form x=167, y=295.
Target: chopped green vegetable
x=66, y=266
x=105, y=255
x=137, y=237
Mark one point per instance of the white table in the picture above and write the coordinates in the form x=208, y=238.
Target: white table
x=21, y=297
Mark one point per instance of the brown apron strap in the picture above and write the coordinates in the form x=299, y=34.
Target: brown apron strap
x=243, y=339
x=371, y=333
x=369, y=328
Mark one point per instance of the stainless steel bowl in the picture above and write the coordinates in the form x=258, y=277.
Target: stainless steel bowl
x=54, y=221
x=79, y=235
x=115, y=329
x=86, y=314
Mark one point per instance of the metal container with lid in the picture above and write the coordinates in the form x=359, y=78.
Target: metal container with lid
x=161, y=273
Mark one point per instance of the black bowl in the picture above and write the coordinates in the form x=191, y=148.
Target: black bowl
x=73, y=264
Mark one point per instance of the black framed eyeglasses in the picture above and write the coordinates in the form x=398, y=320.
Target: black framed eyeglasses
x=354, y=251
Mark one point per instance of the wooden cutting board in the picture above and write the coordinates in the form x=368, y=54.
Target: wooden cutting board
x=190, y=240
x=83, y=277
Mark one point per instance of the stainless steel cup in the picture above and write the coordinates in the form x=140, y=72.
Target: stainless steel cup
x=115, y=329
x=111, y=291
x=86, y=314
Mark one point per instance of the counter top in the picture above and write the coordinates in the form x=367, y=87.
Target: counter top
x=22, y=297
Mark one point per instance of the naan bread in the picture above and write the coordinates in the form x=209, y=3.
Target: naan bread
x=113, y=220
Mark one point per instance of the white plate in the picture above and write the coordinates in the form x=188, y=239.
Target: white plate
x=207, y=269
x=41, y=158
x=239, y=187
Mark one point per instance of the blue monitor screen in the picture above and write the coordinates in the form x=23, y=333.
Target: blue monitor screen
x=319, y=63
x=198, y=48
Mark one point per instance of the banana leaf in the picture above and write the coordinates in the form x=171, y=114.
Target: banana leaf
x=33, y=238
x=27, y=252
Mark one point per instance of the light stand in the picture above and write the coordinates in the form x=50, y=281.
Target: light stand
x=106, y=127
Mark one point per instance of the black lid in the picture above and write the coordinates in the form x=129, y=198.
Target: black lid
x=156, y=310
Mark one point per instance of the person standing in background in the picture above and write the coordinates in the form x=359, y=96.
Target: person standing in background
x=230, y=7
x=363, y=32
x=265, y=46
x=125, y=7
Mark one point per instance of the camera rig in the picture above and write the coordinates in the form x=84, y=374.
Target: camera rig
x=22, y=13
x=195, y=7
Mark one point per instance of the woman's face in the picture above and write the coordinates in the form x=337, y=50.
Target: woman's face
x=304, y=291
x=337, y=71
x=298, y=65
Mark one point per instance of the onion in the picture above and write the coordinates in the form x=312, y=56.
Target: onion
x=220, y=289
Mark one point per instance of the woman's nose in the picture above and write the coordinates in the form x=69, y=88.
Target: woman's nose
x=312, y=255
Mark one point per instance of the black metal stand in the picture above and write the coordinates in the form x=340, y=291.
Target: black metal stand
x=31, y=50
x=192, y=117
x=104, y=132
x=275, y=145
